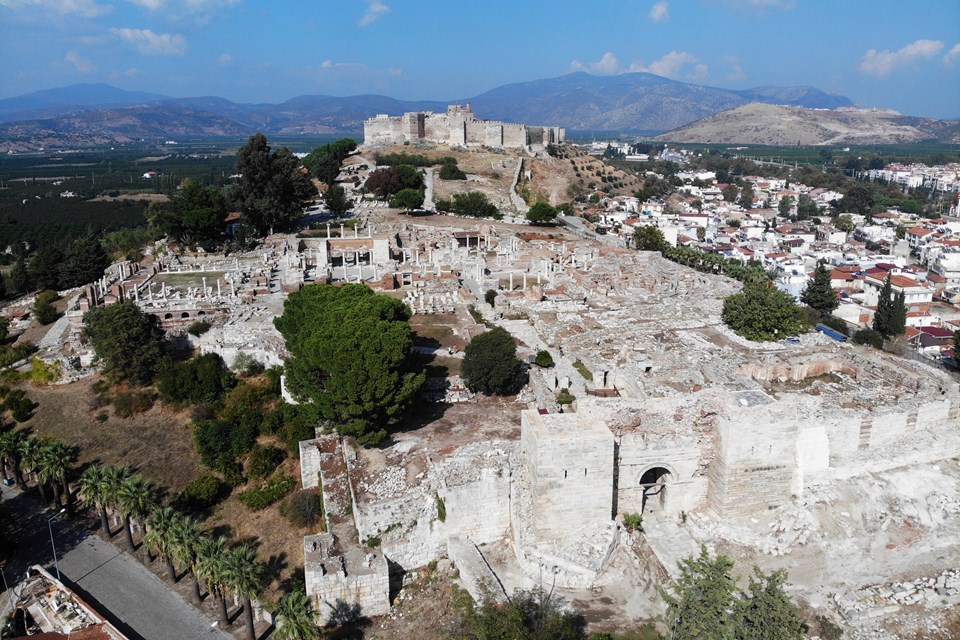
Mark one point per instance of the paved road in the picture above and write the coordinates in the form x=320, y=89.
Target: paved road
x=122, y=589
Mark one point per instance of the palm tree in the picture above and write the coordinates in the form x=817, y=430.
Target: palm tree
x=212, y=567
x=30, y=449
x=10, y=452
x=137, y=497
x=186, y=540
x=113, y=480
x=296, y=619
x=93, y=492
x=160, y=538
x=55, y=463
x=245, y=577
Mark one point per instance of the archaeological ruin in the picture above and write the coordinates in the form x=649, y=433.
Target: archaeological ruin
x=457, y=127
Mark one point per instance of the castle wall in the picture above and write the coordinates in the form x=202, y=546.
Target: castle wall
x=569, y=460
x=637, y=453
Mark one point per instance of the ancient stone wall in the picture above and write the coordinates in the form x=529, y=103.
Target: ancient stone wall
x=569, y=459
x=639, y=453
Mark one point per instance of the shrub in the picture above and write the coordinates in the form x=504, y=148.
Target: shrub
x=43, y=309
x=127, y=403
x=836, y=324
x=868, y=337
x=450, y=171
x=43, y=373
x=19, y=405
x=246, y=364
x=582, y=369
x=264, y=460
x=199, y=328
x=102, y=416
x=266, y=494
x=216, y=438
x=565, y=397
x=203, y=493
x=633, y=521
x=303, y=508
x=490, y=364
x=490, y=297
x=441, y=509
x=544, y=359
x=203, y=379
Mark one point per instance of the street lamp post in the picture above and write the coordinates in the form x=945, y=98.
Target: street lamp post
x=53, y=546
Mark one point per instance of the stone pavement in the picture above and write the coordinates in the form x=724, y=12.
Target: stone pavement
x=669, y=541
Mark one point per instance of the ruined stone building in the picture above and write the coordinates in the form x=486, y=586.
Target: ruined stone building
x=457, y=127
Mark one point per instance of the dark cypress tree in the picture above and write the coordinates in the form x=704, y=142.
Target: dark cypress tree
x=20, y=276
x=3, y=287
x=818, y=294
x=898, y=315
x=883, y=318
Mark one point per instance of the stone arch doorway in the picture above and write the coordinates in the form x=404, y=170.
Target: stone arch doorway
x=654, y=482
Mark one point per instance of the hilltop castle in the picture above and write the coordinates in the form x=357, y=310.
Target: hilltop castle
x=458, y=127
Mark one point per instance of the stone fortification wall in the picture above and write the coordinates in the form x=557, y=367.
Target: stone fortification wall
x=335, y=585
x=638, y=453
x=569, y=459
x=475, y=574
x=457, y=127
x=473, y=487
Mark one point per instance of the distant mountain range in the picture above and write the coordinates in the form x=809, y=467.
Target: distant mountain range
x=88, y=114
x=769, y=124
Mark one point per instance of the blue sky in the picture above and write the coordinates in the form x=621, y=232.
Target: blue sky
x=880, y=53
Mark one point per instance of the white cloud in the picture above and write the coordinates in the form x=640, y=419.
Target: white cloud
x=85, y=8
x=660, y=11
x=80, y=64
x=375, y=9
x=736, y=73
x=132, y=72
x=882, y=63
x=953, y=55
x=149, y=43
x=607, y=65
x=225, y=59
x=152, y=5
x=671, y=65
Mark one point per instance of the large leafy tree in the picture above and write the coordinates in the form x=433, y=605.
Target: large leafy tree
x=388, y=181
x=128, y=342
x=649, y=238
x=473, y=204
x=765, y=611
x=762, y=312
x=338, y=202
x=195, y=215
x=83, y=262
x=490, y=364
x=408, y=199
x=271, y=189
x=819, y=294
x=324, y=162
x=700, y=608
x=352, y=356
x=541, y=213
x=45, y=267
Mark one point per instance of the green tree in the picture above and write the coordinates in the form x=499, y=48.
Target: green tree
x=55, y=464
x=30, y=451
x=408, y=199
x=490, y=364
x=541, y=213
x=93, y=490
x=4, y=329
x=271, y=188
x=762, y=312
x=186, y=540
x=352, y=356
x=806, y=207
x=212, y=568
x=818, y=294
x=785, y=206
x=766, y=612
x=890, y=318
x=45, y=267
x=244, y=576
x=127, y=342
x=746, y=196
x=83, y=262
x=450, y=171
x=10, y=452
x=202, y=379
x=296, y=619
x=730, y=192
x=337, y=200
x=43, y=309
x=869, y=337
x=844, y=223
x=858, y=198
x=324, y=162
x=649, y=238
x=701, y=605
x=136, y=498
x=527, y=615
x=195, y=215
x=473, y=204
x=159, y=538
x=20, y=276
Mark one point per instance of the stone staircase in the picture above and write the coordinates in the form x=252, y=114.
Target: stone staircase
x=669, y=542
